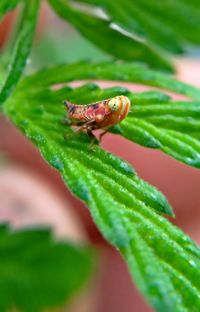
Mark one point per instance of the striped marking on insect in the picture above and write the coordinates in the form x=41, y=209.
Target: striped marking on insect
x=99, y=115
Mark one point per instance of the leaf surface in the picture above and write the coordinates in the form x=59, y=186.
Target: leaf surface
x=6, y=6
x=163, y=261
x=145, y=30
x=114, y=41
x=21, y=49
x=37, y=272
x=118, y=71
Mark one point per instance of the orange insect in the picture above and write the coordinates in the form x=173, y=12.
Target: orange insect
x=99, y=115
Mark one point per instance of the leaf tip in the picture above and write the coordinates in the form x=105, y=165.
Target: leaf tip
x=169, y=211
x=80, y=189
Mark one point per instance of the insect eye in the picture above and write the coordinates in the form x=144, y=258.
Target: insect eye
x=113, y=105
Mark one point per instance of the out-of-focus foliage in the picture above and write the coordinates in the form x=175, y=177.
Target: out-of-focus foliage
x=6, y=6
x=22, y=47
x=148, y=29
x=110, y=39
x=38, y=272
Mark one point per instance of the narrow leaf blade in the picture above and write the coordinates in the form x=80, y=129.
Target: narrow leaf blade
x=21, y=49
x=6, y=6
x=110, y=39
x=118, y=71
x=165, y=24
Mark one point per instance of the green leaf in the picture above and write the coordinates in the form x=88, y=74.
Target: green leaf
x=155, y=120
x=119, y=71
x=21, y=49
x=110, y=39
x=37, y=272
x=169, y=24
x=172, y=127
x=6, y=6
x=43, y=105
x=163, y=261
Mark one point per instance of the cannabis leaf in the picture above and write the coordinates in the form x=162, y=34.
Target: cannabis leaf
x=155, y=120
x=163, y=261
x=22, y=46
x=136, y=30
x=6, y=6
x=37, y=272
x=172, y=127
x=114, y=42
x=119, y=71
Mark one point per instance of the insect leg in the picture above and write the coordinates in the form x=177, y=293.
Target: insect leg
x=87, y=127
x=94, y=141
